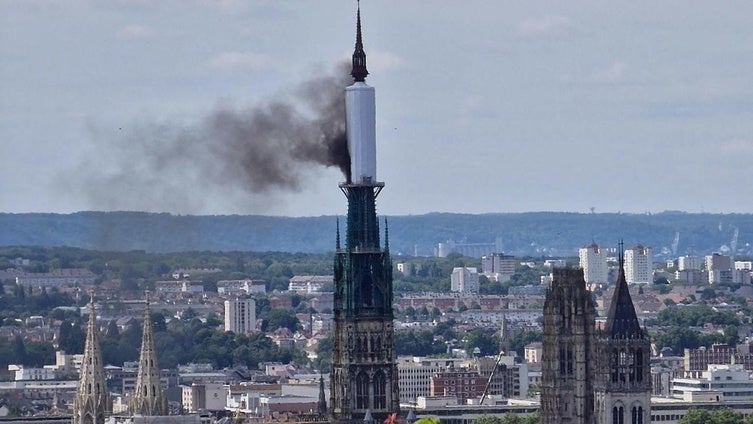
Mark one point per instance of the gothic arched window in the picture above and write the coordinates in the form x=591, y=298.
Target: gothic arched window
x=639, y=365
x=622, y=365
x=640, y=415
x=380, y=391
x=618, y=415
x=362, y=391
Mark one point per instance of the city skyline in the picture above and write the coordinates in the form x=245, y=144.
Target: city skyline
x=490, y=104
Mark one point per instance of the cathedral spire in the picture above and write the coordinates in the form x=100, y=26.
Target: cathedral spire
x=92, y=400
x=148, y=399
x=622, y=322
x=359, y=71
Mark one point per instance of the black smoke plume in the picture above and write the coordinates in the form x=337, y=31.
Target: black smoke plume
x=272, y=147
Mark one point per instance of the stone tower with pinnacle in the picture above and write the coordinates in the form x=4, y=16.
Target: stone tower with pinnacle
x=92, y=399
x=622, y=387
x=567, y=371
x=148, y=399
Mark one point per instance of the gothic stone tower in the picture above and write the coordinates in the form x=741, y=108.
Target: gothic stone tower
x=623, y=374
x=92, y=399
x=148, y=399
x=364, y=378
x=567, y=359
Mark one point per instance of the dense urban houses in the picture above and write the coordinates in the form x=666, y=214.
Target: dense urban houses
x=364, y=377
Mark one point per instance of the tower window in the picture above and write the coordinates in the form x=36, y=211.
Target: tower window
x=362, y=391
x=380, y=391
x=639, y=365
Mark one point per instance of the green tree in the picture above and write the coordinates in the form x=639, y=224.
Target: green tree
x=71, y=337
x=280, y=318
x=727, y=416
x=19, y=349
x=488, y=419
x=485, y=340
x=324, y=355
x=696, y=416
x=532, y=419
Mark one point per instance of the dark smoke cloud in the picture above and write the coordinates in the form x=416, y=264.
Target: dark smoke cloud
x=273, y=147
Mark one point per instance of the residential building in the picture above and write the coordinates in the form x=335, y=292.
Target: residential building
x=240, y=316
x=689, y=263
x=415, y=373
x=307, y=284
x=639, y=265
x=498, y=267
x=464, y=280
x=593, y=261
x=464, y=384
x=246, y=286
x=723, y=382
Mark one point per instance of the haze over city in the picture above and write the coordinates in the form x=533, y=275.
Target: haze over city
x=482, y=106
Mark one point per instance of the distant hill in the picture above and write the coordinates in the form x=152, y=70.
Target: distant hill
x=533, y=233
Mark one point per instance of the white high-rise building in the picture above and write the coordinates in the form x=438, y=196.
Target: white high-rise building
x=464, y=280
x=639, y=265
x=593, y=260
x=240, y=315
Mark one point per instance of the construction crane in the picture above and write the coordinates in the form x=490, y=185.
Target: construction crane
x=491, y=376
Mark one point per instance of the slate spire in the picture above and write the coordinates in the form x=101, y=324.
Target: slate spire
x=622, y=322
x=359, y=71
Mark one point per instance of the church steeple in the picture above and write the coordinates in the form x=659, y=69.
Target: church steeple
x=92, y=399
x=622, y=321
x=148, y=399
x=359, y=71
x=363, y=377
x=622, y=386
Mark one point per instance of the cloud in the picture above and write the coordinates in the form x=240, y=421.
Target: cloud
x=545, y=26
x=614, y=73
x=134, y=32
x=737, y=146
x=235, y=61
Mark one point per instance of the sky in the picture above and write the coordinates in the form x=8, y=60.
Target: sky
x=482, y=106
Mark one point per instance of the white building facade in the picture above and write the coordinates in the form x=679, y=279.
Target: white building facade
x=240, y=315
x=639, y=265
x=593, y=260
x=464, y=280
